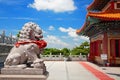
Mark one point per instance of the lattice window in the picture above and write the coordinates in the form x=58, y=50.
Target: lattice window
x=117, y=5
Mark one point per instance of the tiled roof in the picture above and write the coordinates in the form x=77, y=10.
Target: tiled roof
x=81, y=29
x=105, y=16
x=97, y=4
x=102, y=16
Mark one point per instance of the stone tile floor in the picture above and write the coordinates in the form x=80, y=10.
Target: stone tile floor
x=73, y=70
x=68, y=70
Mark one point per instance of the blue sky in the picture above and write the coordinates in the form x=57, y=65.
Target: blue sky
x=59, y=19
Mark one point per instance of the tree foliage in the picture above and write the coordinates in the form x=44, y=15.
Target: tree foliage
x=54, y=51
x=83, y=49
x=18, y=35
x=65, y=52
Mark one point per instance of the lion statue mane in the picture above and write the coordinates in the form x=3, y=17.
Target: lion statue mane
x=26, y=52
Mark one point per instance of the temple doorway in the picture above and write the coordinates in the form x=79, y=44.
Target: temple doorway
x=114, y=50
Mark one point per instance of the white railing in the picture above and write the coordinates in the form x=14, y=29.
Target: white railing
x=7, y=39
x=52, y=57
x=61, y=57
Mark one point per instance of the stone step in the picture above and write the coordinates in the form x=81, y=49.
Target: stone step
x=24, y=77
x=19, y=71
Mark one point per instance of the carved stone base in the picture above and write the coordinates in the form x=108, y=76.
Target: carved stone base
x=23, y=74
x=24, y=77
x=26, y=71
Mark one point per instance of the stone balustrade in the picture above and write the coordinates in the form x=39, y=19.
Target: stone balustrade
x=5, y=48
x=7, y=39
x=62, y=58
x=52, y=57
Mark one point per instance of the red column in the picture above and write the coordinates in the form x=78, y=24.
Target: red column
x=105, y=44
x=114, y=57
x=94, y=49
x=112, y=51
x=90, y=54
x=99, y=47
x=112, y=47
x=119, y=48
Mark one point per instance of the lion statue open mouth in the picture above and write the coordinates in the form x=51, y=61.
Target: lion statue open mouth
x=26, y=52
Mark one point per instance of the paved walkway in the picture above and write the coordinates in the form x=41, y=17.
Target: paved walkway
x=71, y=70
x=61, y=70
x=113, y=72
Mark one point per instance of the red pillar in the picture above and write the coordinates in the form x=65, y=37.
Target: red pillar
x=99, y=47
x=94, y=50
x=91, y=55
x=119, y=48
x=105, y=44
x=112, y=51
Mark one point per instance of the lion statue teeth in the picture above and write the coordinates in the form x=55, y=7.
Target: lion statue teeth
x=28, y=48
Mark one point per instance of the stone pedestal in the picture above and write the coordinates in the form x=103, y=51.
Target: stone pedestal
x=23, y=77
x=23, y=74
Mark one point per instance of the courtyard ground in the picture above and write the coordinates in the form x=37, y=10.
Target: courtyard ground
x=79, y=70
x=72, y=70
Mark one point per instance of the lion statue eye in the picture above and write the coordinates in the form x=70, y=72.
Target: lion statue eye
x=39, y=33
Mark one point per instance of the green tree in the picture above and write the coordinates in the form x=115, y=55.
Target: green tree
x=83, y=49
x=65, y=52
x=75, y=51
x=54, y=51
x=46, y=51
x=18, y=35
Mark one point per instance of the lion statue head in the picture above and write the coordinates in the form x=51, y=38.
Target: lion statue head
x=30, y=31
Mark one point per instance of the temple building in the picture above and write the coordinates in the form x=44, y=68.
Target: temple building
x=102, y=26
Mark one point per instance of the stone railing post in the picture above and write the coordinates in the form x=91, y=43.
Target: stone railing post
x=11, y=41
x=3, y=36
x=50, y=57
x=60, y=56
x=80, y=56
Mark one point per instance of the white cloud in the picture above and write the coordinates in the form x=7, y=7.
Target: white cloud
x=77, y=39
x=51, y=28
x=63, y=29
x=65, y=41
x=53, y=5
x=14, y=36
x=84, y=38
x=44, y=32
x=72, y=33
x=55, y=42
x=65, y=37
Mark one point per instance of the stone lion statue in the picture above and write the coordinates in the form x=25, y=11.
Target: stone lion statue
x=26, y=52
